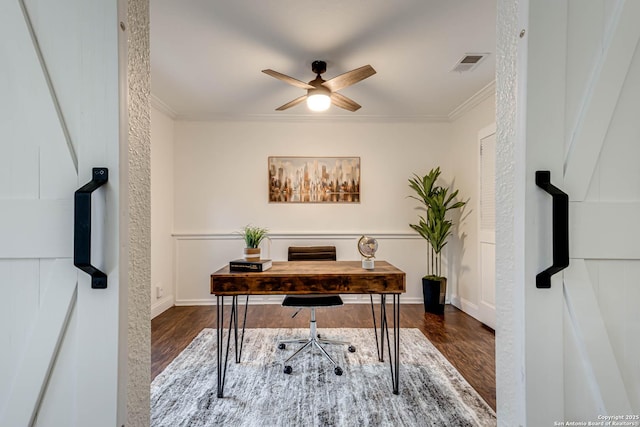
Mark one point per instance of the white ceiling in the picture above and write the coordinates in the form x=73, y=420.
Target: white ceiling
x=207, y=55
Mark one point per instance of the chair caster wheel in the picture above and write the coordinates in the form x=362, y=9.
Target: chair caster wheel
x=288, y=370
x=282, y=346
x=338, y=370
x=319, y=337
x=352, y=349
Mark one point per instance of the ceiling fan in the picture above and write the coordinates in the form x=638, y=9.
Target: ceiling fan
x=321, y=93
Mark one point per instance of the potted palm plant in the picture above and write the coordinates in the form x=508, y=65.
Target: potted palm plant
x=435, y=228
x=252, y=237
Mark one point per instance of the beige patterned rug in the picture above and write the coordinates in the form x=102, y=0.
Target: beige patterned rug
x=258, y=393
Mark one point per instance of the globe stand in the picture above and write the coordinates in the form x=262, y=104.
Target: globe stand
x=368, y=264
x=367, y=246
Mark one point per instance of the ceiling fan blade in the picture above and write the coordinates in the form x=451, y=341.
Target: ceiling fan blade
x=343, y=102
x=292, y=103
x=349, y=78
x=287, y=79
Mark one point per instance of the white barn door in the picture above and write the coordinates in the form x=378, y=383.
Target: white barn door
x=59, y=118
x=582, y=341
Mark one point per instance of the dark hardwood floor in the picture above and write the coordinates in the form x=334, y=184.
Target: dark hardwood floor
x=465, y=342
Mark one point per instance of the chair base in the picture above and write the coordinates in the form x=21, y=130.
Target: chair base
x=314, y=340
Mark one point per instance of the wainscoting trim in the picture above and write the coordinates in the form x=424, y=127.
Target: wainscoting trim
x=198, y=254
x=301, y=235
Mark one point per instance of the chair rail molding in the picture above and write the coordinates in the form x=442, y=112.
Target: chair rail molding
x=330, y=235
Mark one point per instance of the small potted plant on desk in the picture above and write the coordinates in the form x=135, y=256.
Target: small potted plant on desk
x=435, y=228
x=252, y=237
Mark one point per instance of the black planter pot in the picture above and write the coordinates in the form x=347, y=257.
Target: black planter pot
x=434, y=292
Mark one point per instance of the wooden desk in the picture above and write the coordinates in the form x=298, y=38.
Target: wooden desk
x=309, y=277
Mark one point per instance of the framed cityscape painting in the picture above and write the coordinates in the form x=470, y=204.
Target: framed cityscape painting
x=314, y=179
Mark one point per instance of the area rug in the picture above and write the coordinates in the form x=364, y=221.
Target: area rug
x=258, y=393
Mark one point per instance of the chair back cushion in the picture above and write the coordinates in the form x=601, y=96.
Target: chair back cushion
x=312, y=253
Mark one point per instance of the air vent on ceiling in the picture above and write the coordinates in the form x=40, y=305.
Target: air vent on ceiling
x=469, y=61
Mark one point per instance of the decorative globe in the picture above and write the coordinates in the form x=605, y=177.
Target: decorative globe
x=367, y=246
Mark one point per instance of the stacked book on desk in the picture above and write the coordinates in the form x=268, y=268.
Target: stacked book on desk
x=250, y=266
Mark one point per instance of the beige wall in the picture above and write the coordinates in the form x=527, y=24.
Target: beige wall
x=464, y=172
x=162, y=205
x=221, y=174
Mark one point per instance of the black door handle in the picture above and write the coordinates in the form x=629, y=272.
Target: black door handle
x=82, y=228
x=560, y=226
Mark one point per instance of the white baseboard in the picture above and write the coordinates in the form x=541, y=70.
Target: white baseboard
x=467, y=306
x=487, y=314
x=161, y=305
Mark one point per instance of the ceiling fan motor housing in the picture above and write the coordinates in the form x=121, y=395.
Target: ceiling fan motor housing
x=318, y=67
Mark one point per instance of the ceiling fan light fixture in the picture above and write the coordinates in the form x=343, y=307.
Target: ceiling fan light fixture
x=318, y=102
x=318, y=99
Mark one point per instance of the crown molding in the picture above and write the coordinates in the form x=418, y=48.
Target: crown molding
x=473, y=102
x=161, y=106
x=297, y=118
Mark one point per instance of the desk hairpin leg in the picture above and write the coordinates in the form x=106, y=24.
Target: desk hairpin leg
x=375, y=328
x=233, y=320
x=233, y=325
x=396, y=344
x=394, y=358
x=219, y=341
x=383, y=325
x=244, y=322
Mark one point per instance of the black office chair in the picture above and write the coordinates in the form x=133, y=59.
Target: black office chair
x=312, y=253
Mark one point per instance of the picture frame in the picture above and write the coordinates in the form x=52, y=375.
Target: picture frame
x=295, y=179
